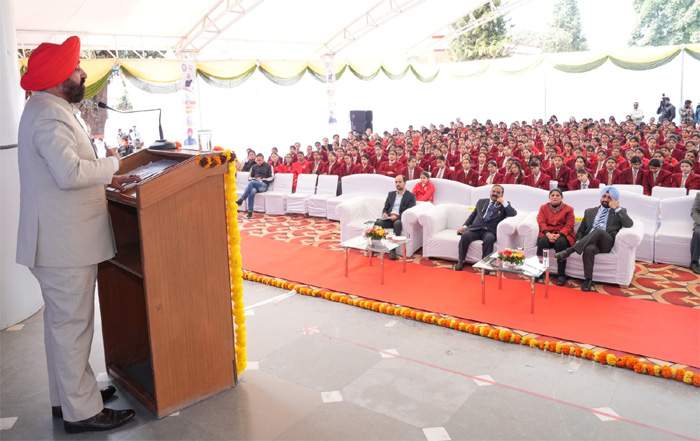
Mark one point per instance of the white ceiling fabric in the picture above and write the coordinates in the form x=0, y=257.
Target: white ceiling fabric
x=270, y=29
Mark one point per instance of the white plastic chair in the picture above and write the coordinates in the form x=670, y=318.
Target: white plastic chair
x=276, y=200
x=325, y=189
x=298, y=201
x=241, y=184
x=259, y=204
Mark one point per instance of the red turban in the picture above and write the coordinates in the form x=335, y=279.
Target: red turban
x=51, y=64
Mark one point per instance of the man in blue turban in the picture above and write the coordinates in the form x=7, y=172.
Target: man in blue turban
x=597, y=232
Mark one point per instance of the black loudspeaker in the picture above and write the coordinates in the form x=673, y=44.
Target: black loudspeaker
x=360, y=120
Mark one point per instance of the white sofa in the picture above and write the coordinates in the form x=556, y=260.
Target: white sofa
x=326, y=188
x=411, y=227
x=356, y=212
x=298, y=201
x=447, y=192
x=276, y=199
x=440, y=239
x=630, y=188
x=672, y=241
x=360, y=185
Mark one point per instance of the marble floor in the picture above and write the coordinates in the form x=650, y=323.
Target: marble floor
x=321, y=370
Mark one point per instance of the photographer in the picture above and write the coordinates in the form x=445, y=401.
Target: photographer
x=666, y=110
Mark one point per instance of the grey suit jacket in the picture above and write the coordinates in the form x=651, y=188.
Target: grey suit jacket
x=695, y=213
x=63, y=219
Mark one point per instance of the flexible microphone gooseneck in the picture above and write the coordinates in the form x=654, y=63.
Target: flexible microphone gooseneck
x=161, y=144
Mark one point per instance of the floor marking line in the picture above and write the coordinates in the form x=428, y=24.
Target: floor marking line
x=473, y=377
x=271, y=300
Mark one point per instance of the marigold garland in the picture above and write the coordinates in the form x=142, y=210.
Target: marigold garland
x=216, y=160
x=605, y=358
x=235, y=261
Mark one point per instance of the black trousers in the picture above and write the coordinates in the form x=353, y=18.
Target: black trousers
x=597, y=241
x=695, y=245
x=559, y=245
x=396, y=225
x=488, y=238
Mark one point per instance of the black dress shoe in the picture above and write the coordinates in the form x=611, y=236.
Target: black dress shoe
x=239, y=202
x=107, y=393
x=564, y=254
x=587, y=285
x=459, y=265
x=108, y=419
x=249, y=215
x=392, y=255
x=561, y=280
x=695, y=267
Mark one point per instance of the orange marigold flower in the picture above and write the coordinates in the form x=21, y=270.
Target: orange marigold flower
x=197, y=160
x=665, y=371
x=679, y=374
x=178, y=144
x=696, y=379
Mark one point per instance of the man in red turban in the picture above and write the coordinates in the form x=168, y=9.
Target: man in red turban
x=64, y=230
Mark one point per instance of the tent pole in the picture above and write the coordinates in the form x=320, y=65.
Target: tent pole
x=680, y=103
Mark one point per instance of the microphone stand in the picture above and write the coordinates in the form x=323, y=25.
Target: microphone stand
x=160, y=144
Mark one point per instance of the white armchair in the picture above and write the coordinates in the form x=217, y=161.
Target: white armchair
x=440, y=225
x=359, y=185
x=672, y=241
x=356, y=212
x=668, y=192
x=412, y=227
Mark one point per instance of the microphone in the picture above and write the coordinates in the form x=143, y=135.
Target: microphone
x=161, y=144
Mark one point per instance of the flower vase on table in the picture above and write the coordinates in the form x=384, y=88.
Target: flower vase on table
x=511, y=258
x=375, y=234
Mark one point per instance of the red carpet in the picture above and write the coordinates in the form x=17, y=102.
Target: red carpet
x=657, y=330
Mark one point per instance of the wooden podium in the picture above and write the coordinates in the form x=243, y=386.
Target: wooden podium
x=165, y=296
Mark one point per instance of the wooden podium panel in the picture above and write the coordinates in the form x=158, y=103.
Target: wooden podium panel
x=165, y=296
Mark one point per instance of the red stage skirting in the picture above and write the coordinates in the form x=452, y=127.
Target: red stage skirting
x=651, y=329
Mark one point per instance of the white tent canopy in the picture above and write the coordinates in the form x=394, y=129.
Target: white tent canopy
x=245, y=29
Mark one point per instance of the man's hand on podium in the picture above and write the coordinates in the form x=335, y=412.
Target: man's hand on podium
x=118, y=181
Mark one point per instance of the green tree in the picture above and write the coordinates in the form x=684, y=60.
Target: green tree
x=564, y=33
x=666, y=22
x=486, y=41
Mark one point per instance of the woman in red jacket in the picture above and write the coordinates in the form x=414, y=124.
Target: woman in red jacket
x=424, y=189
x=556, y=221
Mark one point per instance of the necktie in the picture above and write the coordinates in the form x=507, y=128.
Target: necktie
x=602, y=220
x=490, y=179
x=556, y=174
x=584, y=186
x=683, y=181
x=440, y=173
x=610, y=178
x=489, y=212
x=634, y=176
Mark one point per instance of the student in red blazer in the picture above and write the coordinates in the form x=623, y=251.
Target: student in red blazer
x=560, y=173
x=491, y=176
x=347, y=168
x=686, y=178
x=583, y=181
x=515, y=175
x=390, y=168
x=333, y=165
x=610, y=175
x=412, y=171
x=365, y=168
x=378, y=158
x=633, y=175
x=537, y=178
x=465, y=174
x=441, y=170
x=556, y=221
x=318, y=167
x=656, y=176
x=424, y=190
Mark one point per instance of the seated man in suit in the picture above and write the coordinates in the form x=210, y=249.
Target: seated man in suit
x=695, y=241
x=597, y=232
x=482, y=224
x=396, y=203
